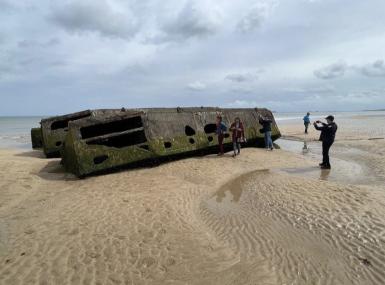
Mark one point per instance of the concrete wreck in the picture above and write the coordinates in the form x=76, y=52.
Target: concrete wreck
x=54, y=129
x=107, y=140
x=36, y=138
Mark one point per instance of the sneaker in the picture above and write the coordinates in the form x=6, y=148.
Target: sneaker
x=325, y=167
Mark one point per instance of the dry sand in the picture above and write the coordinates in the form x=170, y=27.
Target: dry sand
x=258, y=219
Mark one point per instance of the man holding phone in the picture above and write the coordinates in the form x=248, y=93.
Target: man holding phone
x=328, y=134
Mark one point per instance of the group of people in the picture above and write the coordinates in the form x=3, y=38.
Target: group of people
x=238, y=134
x=328, y=133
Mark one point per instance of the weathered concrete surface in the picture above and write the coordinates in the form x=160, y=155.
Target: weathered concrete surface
x=104, y=142
x=54, y=129
x=36, y=138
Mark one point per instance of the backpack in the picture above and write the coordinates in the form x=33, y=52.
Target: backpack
x=224, y=127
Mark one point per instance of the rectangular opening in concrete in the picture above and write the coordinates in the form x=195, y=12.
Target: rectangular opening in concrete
x=62, y=124
x=120, y=141
x=111, y=127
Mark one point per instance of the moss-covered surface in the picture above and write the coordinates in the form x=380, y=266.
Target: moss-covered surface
x=36, y=138
x=81, y=159
x=53, y=141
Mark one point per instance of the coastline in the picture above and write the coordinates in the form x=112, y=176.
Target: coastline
x=267, y=217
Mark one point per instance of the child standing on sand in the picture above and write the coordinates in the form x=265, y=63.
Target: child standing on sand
x=220, y=131
x=238, y=135
x=306, y=121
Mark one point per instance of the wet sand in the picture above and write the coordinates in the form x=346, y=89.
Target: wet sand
x=262, y=218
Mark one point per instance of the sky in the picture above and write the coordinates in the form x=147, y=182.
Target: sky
x=58, y=57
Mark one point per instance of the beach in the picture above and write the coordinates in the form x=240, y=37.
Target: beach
x=261, y=218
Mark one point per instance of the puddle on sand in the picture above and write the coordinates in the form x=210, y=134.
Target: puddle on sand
x=307, y=232
x=226, y=199
x=343, y=170
x=313, y=172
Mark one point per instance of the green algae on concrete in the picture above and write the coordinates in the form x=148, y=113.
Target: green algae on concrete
x=99, y=143
x=54, y=129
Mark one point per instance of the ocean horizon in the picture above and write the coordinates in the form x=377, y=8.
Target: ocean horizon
x=15, y=130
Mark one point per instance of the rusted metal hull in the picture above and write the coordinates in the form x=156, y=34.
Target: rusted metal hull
x=107, y=141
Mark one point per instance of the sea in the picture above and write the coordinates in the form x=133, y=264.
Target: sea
x=15, y=132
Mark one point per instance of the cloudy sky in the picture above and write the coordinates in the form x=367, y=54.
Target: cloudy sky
x=287, y=55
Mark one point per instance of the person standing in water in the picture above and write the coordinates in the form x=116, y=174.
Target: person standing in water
x=238, y=135
x=306, y=121
x=328, y=134
x=266, y=130
x=220, y=131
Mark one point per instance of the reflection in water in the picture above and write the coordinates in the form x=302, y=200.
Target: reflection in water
x=310, y=172
x=346, y=169
x=324, y=174
x=232, y=192
x=305, y=148
x=236, y=193
x=308, y=232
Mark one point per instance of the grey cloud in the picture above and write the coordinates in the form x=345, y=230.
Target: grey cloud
x=190, y=22
x=196, y=86
x=376, y=69
x=241, y=77
x=242, y=104
x=216, y=42
x=311, y=89
x=256, y=16
x=5, y=5
x=94, y=16
x=32, y=43
x=242, y=89
x=332, y=71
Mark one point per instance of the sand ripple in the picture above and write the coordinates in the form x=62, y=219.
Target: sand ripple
x=311, y=232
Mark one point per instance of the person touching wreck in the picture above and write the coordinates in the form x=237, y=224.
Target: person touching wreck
x=238, y=135
x=220, y=131
x=266, y=130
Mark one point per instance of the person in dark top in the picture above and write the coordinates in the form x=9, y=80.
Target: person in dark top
x=220, y=131
x=328, y=133
x=266, y=129
x=238, y=135
x=306, y=121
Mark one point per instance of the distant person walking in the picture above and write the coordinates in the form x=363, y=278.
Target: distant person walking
x=238, y=135
x=266, y=130
x=328, y=134
x=306, y=121
x=220, y=131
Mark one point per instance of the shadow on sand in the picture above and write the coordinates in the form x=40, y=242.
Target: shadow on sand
x=32, y=153
x=55, y=171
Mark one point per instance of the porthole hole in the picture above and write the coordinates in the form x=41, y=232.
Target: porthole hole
x=189, y=131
